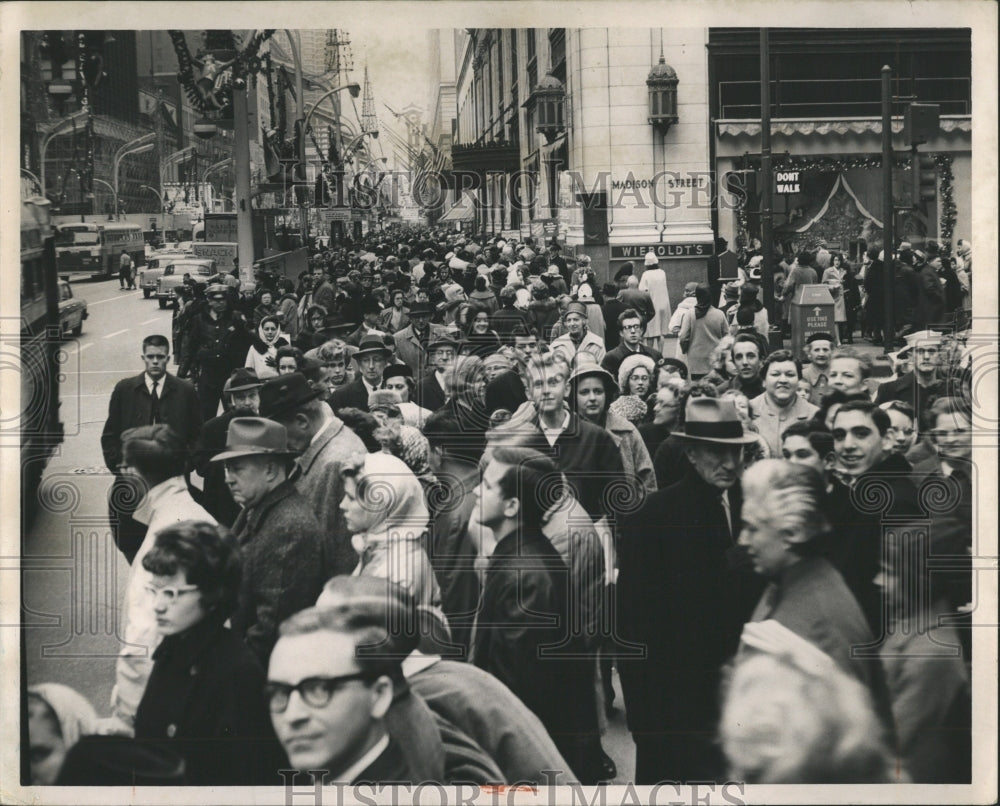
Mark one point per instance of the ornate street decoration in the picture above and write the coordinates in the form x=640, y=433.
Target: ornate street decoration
x=218, y=68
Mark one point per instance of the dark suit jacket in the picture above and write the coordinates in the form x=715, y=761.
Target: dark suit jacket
x=130, y=407
x=351, y=395
x=685, y=589
x=906, y=389
x=613, y=359
x=429, y=393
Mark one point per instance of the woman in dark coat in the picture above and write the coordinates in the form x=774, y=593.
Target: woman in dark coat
x=204, y=699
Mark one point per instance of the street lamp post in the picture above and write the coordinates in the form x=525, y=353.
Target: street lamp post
x=139, y=145
x=56, y=130
x=113, y=190
x=355, y=90
x=159, y=199
x=215, y=166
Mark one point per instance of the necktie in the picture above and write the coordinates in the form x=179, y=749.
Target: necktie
x=724, y=498
x=154, y=405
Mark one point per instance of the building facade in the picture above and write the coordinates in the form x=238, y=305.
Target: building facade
x=621, y=141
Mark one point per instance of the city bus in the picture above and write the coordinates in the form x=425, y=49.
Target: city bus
x=39, y=429
x=95, y=249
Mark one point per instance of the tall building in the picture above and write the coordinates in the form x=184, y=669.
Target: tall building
x=621, y=141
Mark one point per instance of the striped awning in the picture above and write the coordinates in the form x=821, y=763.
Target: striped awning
x=462, y=210
x=825, y=126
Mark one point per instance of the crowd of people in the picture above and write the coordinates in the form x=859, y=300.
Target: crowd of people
x=406, y=517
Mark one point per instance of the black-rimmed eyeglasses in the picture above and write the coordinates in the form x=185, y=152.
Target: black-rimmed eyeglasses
x=316, y=692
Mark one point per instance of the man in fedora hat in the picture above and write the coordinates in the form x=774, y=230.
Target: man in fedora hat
x=371, y=358
x=411, y=341
x=685, y=588
x=324, y=443
x=279, y=536
x=430, y=392
x=241, y=398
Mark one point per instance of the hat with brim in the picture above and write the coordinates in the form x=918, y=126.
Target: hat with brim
x=285, y=393
x=708, y=419
x=420, y=309
x=442, y=340
x=929, y=338
x=255, y=436
x=575, y=307
x=595, y=370
x=370, y=345
x=217, y=289
x=243, y=379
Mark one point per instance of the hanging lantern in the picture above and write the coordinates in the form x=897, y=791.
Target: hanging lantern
x=550, y=100
x=662, y=83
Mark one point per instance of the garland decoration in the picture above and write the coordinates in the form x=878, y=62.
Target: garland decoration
x=948, y=211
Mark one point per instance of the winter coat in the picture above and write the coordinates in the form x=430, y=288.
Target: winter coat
x=701, y=336
x=205, y=702
x=282, y=548
x=654, y=282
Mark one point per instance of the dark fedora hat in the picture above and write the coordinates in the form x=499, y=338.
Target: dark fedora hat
x=441, y=340
x=372, y=344
x=397, y=371
x=120, y=761
x=284, y=393
x=254, y=436
x=242, y=380
x=708, y=419
x=421, y=309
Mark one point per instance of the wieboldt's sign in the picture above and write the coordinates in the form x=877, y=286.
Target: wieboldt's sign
x=661, y=250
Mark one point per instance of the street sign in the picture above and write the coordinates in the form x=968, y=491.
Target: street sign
x=811, y=312
x=224, y=254
x=662, y=250
x=331, y=214
x=221, y=227
x=787, y=182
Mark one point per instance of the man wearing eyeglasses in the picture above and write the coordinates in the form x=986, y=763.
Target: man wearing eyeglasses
x=328, y=700
x=924, y=384
x=631, y=327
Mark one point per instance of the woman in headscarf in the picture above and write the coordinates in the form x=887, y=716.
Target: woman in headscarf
x=263, y=353
x=592, y=392
x=57, y=717
x=385, y=509
x=700, y=333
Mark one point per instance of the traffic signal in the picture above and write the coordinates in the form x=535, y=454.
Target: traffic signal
x=924, y=172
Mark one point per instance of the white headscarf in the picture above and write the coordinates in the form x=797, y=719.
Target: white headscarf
x=74, y=712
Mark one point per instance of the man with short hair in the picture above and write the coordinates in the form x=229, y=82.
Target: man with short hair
x=631, y=327
x=924, y=384
x=685, y=589
x=152, y=397
x=819, y=347
x=323, y=293
x=279, y=536
x=586, y=453
x=746, y=355
x=331, y=680
x=324, y=443
x=863, y=445
x=525, y=607
x=779, y=405
x=577, y=339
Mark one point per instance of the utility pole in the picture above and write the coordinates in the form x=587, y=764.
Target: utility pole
x=767, y=187
x=888, y=212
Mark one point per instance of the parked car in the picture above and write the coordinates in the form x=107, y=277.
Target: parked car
x=173, y=276
x=72, y=310
x=151, y=272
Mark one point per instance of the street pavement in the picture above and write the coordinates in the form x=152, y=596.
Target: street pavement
x=74, y=577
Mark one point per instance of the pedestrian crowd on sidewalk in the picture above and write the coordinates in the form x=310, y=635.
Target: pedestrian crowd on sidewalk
x=403, y=518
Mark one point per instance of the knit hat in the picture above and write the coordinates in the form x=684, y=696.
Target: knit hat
x=629, y=365
x=630, y=407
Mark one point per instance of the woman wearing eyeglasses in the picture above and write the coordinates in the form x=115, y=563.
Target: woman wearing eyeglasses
x=204, y=697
